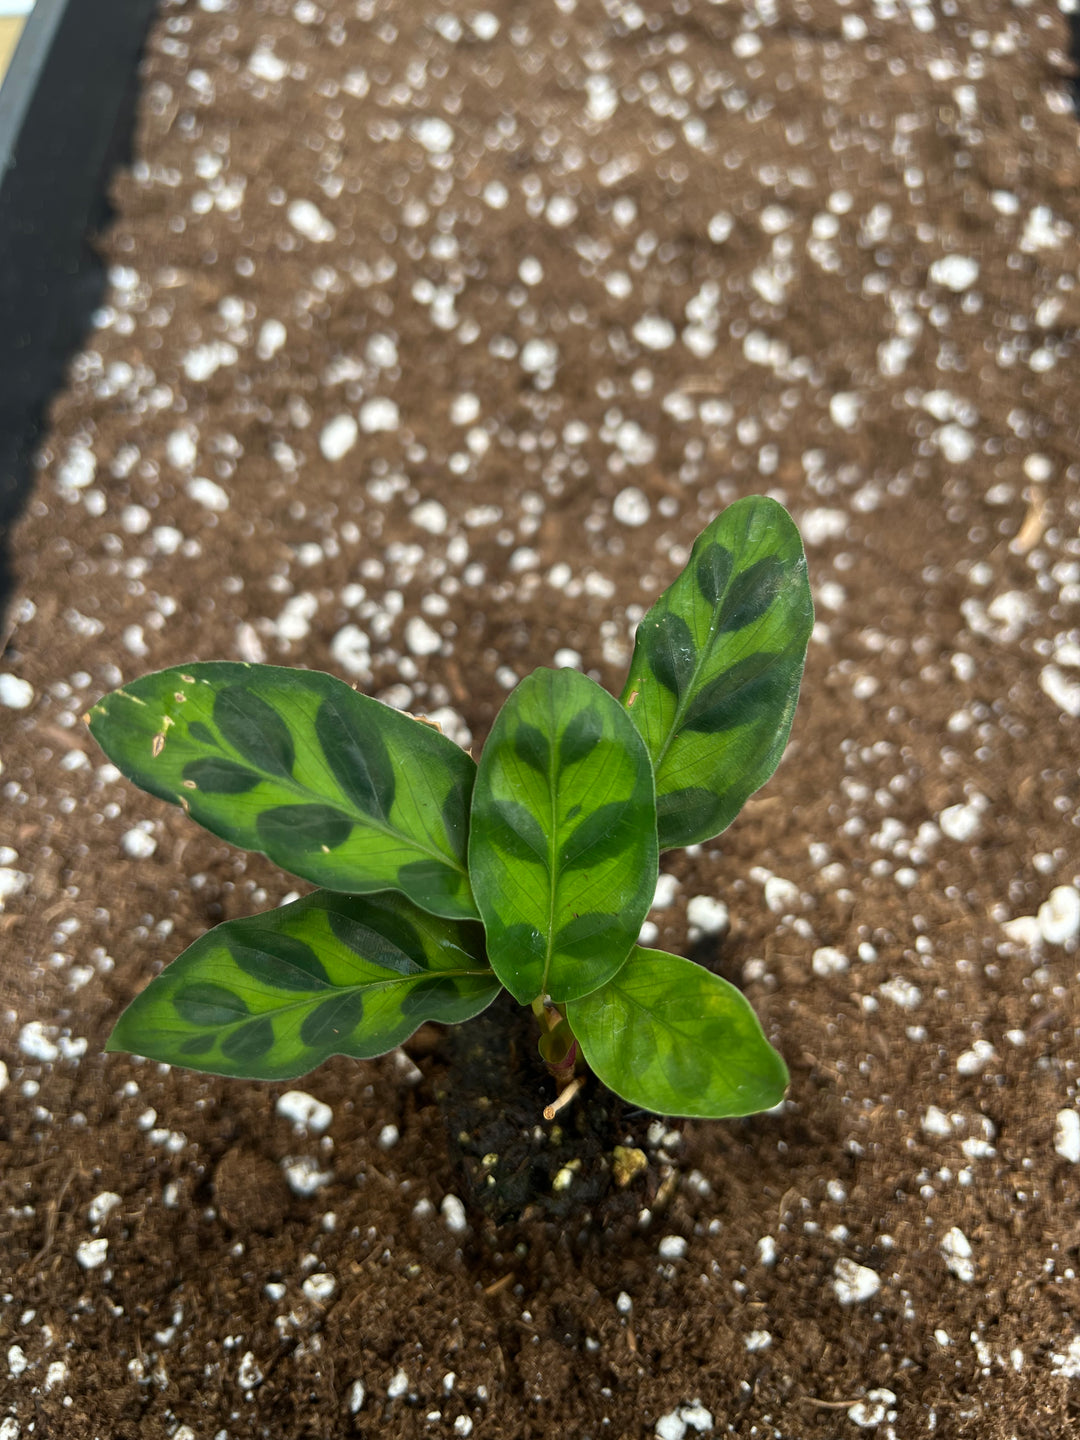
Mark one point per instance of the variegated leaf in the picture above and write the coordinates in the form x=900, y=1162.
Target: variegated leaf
x=716, y=669
x=331, y=785
x=562, y=847
x=271, y=997
x=669, y=1036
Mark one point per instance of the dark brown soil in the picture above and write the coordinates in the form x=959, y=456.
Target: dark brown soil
x=919, y=420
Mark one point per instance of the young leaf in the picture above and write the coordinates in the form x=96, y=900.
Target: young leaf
x=271, y=997
x=669, y=1036
x=562, y=845
x=331, y=785
x=716, y=669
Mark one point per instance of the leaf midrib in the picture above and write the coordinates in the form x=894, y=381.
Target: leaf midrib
x=552, y=856
x=682, y=702
x=321, y=996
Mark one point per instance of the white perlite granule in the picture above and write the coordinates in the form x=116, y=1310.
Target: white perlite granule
x=854, y=1283
x=1067, y=1135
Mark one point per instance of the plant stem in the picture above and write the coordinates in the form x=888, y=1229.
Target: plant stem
x=564, y=1097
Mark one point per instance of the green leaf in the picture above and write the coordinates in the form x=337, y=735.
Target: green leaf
x=562, y=845
x=669, y=1036
x=271, y=997
x=716, y=669
x=329, y=784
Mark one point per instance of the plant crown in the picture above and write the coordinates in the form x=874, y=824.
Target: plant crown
x=444, y=880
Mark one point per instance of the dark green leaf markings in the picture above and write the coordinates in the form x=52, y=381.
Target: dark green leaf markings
x=667, y=1035
x=271, y=997
x=552, y=842
x=562, y=851
x=717, y=666
x=330, y=784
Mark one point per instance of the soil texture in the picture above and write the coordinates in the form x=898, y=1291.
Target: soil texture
x=433, y=338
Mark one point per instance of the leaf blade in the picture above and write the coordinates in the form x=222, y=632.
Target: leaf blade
x=717, y=666
x=562, y=893
x=271, y=996
x=668, y=1035
x=331, y=785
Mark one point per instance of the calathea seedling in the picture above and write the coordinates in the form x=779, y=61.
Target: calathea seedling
x=443, y=880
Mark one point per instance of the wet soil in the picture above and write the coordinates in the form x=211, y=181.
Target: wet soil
x=477, y=319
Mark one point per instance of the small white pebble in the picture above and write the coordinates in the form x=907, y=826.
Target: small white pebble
x=672, y=1247
x=389, y=1136
x=844, y=409
x=631, y=507
x=1059, y=916
x=308, y=219
x=249, y=1376
x=901, y=992
x=1023, y=930
x=180, y=449
x=537, y=356
x=305, y=1112
x=338, y=437
x=135, y=519
x=101, y=1206
x=707, y=914
x=420, y=638
x=1067, y=1136
x=208, y=493
x=379, y=414
x=818, y=526
x=956, y=1252
x=267, y=66
x=623, y=1303
x=875, y=1410
x=319, y=1287
x=936, y=1122
x=961, y=822
x=357, y=1391
x=720, y=227
x=399, y=1385
x=757, y=1340
x=766, y=1250
x=34, y=1043
x=671, y=1427
x=955, y=272
x=956, y=444
x=138, y=843
x=781, y=896
x=429, y=515
x=453, y=1213
x=464, y=408
x=1067, y=1365
x=975, y=1060
x=667, y=887
x=15, y=693
x=14, y=882
x=351, y=649
x=272, y=337
x=654, y=332
x=303, y=1175
x=433, y=133
x=827, y=960
x=92, y=1253
x=854, y=1283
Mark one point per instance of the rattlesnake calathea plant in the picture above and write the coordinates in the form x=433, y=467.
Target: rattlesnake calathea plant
x=444, y=879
